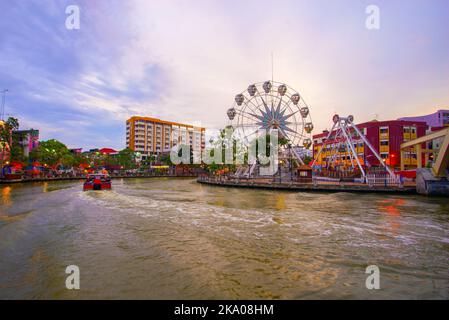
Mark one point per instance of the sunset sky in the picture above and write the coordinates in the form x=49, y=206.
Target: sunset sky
x=185, y=61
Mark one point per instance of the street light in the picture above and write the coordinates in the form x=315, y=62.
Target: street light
x=291, y=164
x=2, y=110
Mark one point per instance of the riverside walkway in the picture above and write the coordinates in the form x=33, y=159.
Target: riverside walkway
x=82, y=177
x=320, y=186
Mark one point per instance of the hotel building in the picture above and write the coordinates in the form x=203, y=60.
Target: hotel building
x=150, y=136
x=386, y=138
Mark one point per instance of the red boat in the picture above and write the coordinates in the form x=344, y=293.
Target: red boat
x=97, y=182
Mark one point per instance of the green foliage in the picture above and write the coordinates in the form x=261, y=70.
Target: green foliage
x=17, y=153
x=165, y=159
x=126, y=158
x=307, y=160
x=51, y=152
x=282, y=141
x=6, y=130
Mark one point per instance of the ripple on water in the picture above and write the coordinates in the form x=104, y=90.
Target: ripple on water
x=161, y=238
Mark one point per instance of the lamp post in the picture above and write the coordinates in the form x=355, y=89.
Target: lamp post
x=290, y=161
x=279, y=169
x=2, y=145
x=2, y=110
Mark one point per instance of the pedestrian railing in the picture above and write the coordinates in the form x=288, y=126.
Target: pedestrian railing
x=385, y=180
x=372, y=180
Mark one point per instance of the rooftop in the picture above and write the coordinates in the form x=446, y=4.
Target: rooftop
x=134, y=118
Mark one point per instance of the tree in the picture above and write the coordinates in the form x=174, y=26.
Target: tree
x=125, y=158
x=68, y=160
x=307, y=160
x=165, y=159
x=51, y=152
x=17, y=153
x=6, y=129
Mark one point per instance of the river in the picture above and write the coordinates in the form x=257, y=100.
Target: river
x=167, y=238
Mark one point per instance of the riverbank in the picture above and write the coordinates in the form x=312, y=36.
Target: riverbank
x=309, y=187
x=2, y=181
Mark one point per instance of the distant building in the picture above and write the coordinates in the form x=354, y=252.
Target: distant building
x=76, y=150
x=437, y=119
x=27, y=139
x=435, y=122
x=150, y=136
x=108, y=151
x=386, y=138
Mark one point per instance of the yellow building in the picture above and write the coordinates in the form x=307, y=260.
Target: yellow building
x=153, y=136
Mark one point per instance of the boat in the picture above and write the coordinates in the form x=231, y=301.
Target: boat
x=97, y=181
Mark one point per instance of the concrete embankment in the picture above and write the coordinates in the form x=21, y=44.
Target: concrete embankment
x=310, y=187
x=428, y=184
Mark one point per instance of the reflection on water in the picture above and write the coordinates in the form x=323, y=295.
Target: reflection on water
x=6, y=195
x=162, y=238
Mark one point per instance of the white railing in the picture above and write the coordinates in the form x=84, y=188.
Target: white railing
x=382, y=180
x=325, y=179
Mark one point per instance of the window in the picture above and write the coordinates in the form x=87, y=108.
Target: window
x=384, y=142
x=383, y=130
x=384, y=155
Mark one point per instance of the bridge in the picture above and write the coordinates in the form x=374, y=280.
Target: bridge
x=434, y=180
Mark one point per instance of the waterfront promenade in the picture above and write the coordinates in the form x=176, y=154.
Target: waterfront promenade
x=113, y=176
x=259, y=183
x=316, y=186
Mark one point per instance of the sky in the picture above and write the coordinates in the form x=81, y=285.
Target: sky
x=185, y=61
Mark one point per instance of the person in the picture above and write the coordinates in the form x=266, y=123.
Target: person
x=104, y=171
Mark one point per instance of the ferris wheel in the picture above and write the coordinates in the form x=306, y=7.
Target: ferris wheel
x=271, y=106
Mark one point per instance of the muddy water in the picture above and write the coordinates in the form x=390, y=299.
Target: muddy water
x=176, y=239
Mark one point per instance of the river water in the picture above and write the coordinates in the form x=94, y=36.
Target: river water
x=177, y=239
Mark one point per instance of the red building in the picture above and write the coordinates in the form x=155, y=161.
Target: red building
x=108, y=151
x=386, y=138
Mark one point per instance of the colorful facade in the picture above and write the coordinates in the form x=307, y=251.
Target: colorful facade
x=386, y=138
x=153, y=136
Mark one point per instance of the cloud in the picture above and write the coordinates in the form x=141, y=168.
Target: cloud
x=185, y=61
